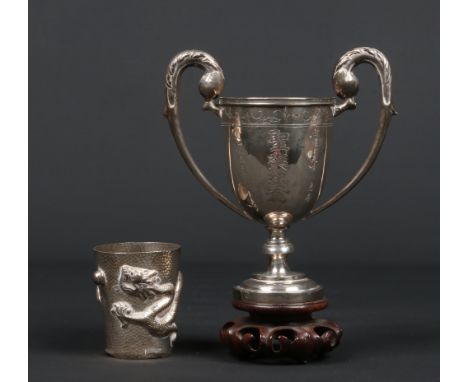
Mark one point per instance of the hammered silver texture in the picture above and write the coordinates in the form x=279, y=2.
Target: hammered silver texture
x=138, y=285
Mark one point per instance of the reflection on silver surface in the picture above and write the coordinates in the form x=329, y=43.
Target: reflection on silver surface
x=277, y=152
x=138, y=285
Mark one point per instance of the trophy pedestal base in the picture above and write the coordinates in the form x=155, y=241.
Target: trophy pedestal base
x=281, y=333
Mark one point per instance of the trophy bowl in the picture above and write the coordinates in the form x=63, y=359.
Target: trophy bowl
x=276, y=153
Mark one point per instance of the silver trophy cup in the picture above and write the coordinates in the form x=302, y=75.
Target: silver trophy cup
x=276, y=153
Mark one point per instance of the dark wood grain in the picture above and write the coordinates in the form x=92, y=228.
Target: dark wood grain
x=262, y=337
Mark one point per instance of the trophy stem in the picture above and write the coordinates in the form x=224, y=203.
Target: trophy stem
x=278, y=285
x=280, y=303
x=277, y=266
x=278, y=246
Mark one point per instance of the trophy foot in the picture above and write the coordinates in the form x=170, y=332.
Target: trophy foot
x=279, y=337
x=280, y=303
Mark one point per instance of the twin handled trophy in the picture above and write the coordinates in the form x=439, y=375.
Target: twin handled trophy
x=276, y=152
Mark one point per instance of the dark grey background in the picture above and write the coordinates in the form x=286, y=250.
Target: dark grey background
x=103, y=167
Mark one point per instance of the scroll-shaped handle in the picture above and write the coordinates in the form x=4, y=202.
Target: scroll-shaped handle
x=346, y=86
x=211, y=85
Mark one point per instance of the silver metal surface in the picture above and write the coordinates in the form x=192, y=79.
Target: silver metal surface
x=277, y=153
x=278, y=284
x=273, y=101
x=138, y=285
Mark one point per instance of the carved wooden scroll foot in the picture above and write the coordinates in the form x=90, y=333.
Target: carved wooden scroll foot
x=264, y=338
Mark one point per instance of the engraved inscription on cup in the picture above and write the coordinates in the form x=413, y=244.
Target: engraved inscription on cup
x=277, y=156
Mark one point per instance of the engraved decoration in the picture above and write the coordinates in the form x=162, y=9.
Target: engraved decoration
x=145, y=284
x=277, y=153
x=277, y=163
x=273, y=118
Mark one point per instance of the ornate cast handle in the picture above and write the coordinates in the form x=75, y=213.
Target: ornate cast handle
x=210, y=86
x=346, y=86
x=99, y=278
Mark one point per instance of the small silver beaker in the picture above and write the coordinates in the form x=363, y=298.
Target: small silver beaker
x=138, y=285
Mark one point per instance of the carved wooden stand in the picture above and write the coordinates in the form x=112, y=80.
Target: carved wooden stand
x=281, y=333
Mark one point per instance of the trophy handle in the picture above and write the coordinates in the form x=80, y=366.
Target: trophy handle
x=346, y=86
x=211, y=85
